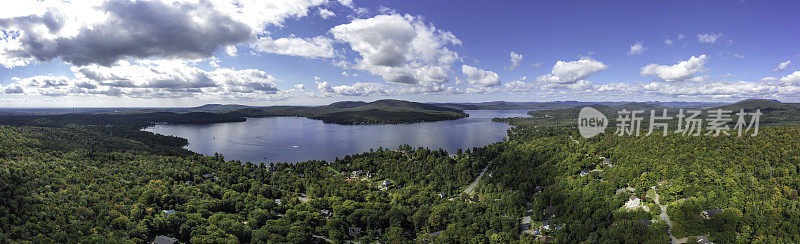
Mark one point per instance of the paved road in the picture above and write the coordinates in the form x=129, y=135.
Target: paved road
x=665, y=217
x=471, y=188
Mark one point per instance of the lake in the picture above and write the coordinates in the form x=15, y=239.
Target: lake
x=298, y=139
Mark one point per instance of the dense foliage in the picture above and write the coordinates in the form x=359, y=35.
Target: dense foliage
x=113, y=184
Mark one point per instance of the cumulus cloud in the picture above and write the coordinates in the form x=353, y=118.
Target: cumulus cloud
x=736, y=55
x=783, y=66
x=516, y=58
x=520, y=85
x=572, y=71
x=637, y=49
x=683, y=70
x=103, y=32
x=317, y=47
x=400, y=48
x=149, y=79
x=356, y=89
x=479, y=77
x=708, y=38
x=792, y=79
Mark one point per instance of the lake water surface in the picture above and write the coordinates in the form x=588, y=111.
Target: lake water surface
x=297, y=139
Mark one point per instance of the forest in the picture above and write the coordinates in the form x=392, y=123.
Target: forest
x=81, y=183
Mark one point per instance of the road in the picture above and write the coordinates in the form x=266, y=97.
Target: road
x=665, y=217
x=471, y=188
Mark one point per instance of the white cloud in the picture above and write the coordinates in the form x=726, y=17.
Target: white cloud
x=231, y=50
x=573, y=71
x=149, y=79
x=793, y=78
x=479, y=77
x=400, y=48
x=636, y=49
x=356, y=89
x=783, y=66
x=347, y=3
x=669, y=42
x=681, y=36
x=708, y=38
x=736, y=55
x=103, y=32
x=317, y=47
x=683, y=70
x=769, y=79
x=520, y=85
x=515, y=59
x=325, y=14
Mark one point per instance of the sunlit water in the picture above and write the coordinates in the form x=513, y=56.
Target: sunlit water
x=297, y=139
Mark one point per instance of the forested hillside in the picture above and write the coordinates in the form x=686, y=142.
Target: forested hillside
x=378, y=112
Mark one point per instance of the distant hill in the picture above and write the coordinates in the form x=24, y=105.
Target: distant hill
x=386, y=111
x=502, y=105
x=774, y=112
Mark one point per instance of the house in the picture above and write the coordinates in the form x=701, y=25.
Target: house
x=278, y=201
x=442, y=195
x=703, y=240
x=164, y=240
x=356, y=173
x=633, y=203
x=546, y=224
x=586, y=172
x=385, y=185
x=210, y=177
x=709, y=214
x=167, y=213
x=354, y=231
x=325, y=213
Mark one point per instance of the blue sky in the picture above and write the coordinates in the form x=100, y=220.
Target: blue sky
x=307, y=52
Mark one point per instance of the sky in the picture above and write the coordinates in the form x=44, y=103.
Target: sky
x=178, y=53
